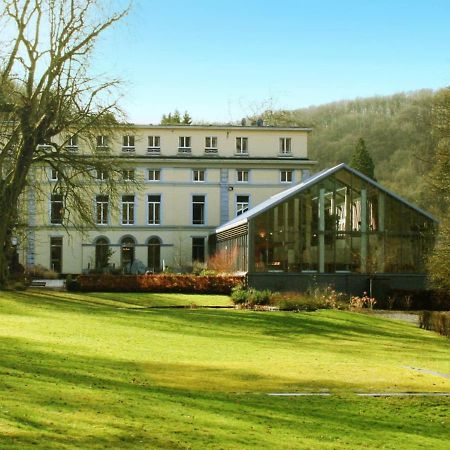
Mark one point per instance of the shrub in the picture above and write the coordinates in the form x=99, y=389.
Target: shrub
x=256, y=297
x=39, y=271
x=362, y=302
x=436, y=321
x=431, y=299
x=239, y=295
x=157, y=283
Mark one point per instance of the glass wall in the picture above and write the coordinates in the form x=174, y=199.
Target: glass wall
x=341, y=224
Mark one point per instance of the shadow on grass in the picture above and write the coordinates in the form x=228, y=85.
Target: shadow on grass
x=51, y=400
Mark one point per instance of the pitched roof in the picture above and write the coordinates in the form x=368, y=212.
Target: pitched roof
x=281, y=196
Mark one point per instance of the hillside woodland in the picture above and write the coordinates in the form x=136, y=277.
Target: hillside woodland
x=397, y=131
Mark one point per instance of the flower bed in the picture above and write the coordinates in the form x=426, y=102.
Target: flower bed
x=199, y=284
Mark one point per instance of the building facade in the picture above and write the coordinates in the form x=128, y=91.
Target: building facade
x=179, y=183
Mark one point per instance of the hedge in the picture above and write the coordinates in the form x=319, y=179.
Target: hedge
x=436, y=321
x=207, y=284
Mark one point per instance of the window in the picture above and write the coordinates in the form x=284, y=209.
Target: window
x=286, y=176
x=198, y=175
x=101, y=175
x=128, y=143
x=102, y=204
x=102, y=142
x=154, y=142
x=242, y=202
x=242, y=175
x=285, y=146
x=242, y=145
x=154, y=254
x=211, y=144
x=56, y=208
x=128, y=174
x=198, y=209
x=184, y=144
x=127, y=209
x=101, y=253
x=154, y=175
x=198, y=249
x=54, y=175
x=154, y=209
x=56, y=244
x=127, y=253
x=72, y=141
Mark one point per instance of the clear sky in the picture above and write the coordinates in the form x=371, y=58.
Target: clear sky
x=224, y=59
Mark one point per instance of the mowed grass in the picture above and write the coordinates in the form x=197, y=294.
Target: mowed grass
x=88, y=371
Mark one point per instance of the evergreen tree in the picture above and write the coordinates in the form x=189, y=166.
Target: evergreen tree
x=361, y=160
x=187, y=120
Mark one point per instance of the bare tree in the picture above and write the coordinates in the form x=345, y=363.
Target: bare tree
x=47, y=96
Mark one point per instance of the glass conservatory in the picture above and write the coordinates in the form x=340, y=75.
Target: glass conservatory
x=337, y=221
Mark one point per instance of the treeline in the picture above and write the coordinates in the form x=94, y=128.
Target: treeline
x=397, y=131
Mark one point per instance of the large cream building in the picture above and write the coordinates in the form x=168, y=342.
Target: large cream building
x=190, y=180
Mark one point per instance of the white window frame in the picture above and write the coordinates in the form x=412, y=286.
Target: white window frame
x=102, y=142
x=286, y=176
x=211, y=144
x=101, y=175
x=72, y=143
x=242, y=145
x=102, y=207
x=242, y=175
x=126, y=174
x=54, y=174
x=198, y=175
x=57, y=199
x=242, y=206
x=128, y=143
x=285, y=146
x=154, y=178
x=154, y=144
x=128, y=212
x=204, y=217
x=184, y=144
x=155, y=206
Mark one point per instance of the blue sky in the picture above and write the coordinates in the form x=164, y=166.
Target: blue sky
x=222, y=60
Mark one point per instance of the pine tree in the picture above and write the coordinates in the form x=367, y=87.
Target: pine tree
x=187, y=120
x=361, y=160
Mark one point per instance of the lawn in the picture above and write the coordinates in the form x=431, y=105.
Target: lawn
x=106, y=371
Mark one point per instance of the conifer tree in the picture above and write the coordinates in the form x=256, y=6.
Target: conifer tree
x=361, y=160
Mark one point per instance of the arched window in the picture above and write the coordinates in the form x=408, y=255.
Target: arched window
x=154, y=254
x=101, y=253
x=127, y=251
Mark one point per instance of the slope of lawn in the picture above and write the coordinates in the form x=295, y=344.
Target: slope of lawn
x=99, y=371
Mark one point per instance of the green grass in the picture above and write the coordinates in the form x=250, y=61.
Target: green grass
x=101, y=371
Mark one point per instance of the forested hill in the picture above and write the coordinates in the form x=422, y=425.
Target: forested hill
x=397, y=131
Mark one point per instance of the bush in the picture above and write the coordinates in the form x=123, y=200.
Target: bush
x=239, y=295
x=436, y=321
x=39, y=271
x=156, y=283
x=430, y=300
